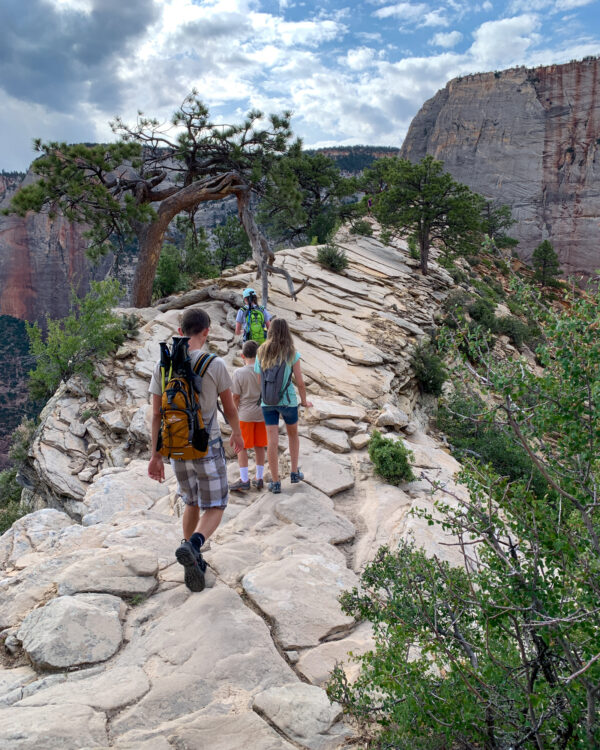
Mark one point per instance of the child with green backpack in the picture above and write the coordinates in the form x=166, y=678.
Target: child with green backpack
x=252, y=320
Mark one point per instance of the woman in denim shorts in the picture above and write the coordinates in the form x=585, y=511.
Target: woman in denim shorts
x=279, y=347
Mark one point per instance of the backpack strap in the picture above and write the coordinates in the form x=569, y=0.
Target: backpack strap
x=200, y=368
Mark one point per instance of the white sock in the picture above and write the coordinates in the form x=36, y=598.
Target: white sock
x=260, y=472
x=244, y=473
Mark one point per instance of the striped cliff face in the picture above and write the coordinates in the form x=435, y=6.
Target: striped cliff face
x=529, y=138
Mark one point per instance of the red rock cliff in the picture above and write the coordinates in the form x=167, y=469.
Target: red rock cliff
x=529, y=138
x=41, y=260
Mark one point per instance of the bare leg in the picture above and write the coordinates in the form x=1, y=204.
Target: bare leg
x=205, y=524
x=243, y=458
x=294, y=442
x=191, y=514
x=209, y=521
x=273, y=450
x=259, y=454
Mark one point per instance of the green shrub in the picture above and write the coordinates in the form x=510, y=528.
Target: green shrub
x=361, y=226
x=502, y=266
x=385, y=236
x=332, y=257
x=390, y=459
x=429, y=369
x=10, y=499
x=413, y=247
x=74, y=344
x=169, y=277
x=458, y=275
x=515, y=329
x=482, y=311
x=471, y=432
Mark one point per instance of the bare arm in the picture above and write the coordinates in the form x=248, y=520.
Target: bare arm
x=236, y=400
x=229, y=409
x=238, y=329
x=156, y=466
x=297, y=371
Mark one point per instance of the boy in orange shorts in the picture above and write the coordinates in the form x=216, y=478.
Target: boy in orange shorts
x=246, y=397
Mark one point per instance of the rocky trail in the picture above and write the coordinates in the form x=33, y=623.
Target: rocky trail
x=103, y=644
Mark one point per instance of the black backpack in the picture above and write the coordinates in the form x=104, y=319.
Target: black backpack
x=271, y=384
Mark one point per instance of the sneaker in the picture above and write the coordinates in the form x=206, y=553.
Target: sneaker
x=193, y=565
x=296, y=476
x=239, y=486
x=258, y=483
x=275, y=487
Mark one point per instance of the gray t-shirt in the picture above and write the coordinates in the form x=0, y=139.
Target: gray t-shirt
x=247, y=387
x=215, y=380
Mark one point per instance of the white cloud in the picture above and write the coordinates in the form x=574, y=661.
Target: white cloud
x=435, y=18
x=403, y=11
x=359, y=58
x=505, y=42
x=570, y=4
x=446, y=39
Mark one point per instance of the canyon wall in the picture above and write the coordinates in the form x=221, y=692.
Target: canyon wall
x=41, y=260
x=529, y=138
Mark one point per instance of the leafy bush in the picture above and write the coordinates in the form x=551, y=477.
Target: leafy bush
x=385, y=236
x=390, y=459
x=10, y=499
x=471, y=431
x=458, y=275
x=332, y=257
x=518, y=332
x=74, y=344
x=361, y=226
x=429, y=369
x=482, y=311
x=413, y=247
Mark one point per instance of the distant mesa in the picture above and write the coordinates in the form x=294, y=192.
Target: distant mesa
x=529, y=138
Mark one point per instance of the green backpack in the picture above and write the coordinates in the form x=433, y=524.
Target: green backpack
x=256, y=328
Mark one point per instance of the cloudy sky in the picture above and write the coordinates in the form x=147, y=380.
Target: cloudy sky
x=351, y=72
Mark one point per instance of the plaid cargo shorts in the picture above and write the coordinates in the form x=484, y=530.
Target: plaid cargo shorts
x=203, y=481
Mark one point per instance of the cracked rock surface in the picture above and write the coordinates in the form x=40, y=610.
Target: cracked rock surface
x=108, y=648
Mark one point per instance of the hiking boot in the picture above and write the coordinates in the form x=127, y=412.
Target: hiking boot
x=296, y=476
x=239, y=486
x=275, y=487
x=193, y=565
x=258, y=484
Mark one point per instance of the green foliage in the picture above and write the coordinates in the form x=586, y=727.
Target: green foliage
x=361, y=226
x=232, y=247
x=496, y=220
x=519, y=332
x=429, y=368
x=332, y=257
x=390, y=459
x=74, y=344
x=545, y=263
x=503, y=649
x=424, y=201
x=413, y=247
x=385, y=236
x=169, y=277
x=304, y=197
x=10, y=499
x=458, y=275
x=355, y=158
x=482, y=311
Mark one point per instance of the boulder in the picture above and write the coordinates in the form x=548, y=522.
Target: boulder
x=72, y=630
x=52, y=727
x=121, y=572
x=335, y=440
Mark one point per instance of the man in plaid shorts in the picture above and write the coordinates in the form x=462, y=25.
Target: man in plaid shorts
x=203, y=481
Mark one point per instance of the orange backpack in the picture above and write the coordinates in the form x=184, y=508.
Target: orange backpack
x=183, y=433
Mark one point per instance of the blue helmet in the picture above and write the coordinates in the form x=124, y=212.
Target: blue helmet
x=247, y=292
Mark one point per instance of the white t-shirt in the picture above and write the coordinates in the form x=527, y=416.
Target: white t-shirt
x=215, y=380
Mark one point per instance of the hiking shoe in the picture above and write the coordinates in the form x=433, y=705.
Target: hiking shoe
x=275, y=487
x=258, y=483
x=239, y=486
x=193, y=566
x=296, y=476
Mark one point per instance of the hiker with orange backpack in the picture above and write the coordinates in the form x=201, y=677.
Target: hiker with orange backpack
x=185, y=386
x=252, y=319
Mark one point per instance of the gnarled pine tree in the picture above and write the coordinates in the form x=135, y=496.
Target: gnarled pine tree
x=134, y=188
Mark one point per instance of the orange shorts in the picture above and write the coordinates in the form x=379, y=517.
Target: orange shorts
x=254, y=434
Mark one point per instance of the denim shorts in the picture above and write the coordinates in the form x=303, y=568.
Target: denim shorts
x=271, y=414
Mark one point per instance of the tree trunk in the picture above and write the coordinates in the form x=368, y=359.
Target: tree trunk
x=424, y=243
x=150, y=236
x=261, y=252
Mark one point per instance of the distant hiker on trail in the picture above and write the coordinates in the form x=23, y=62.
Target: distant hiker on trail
x=277, y=361
x=252, y=320
x=185, y=386
x=246, y=397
